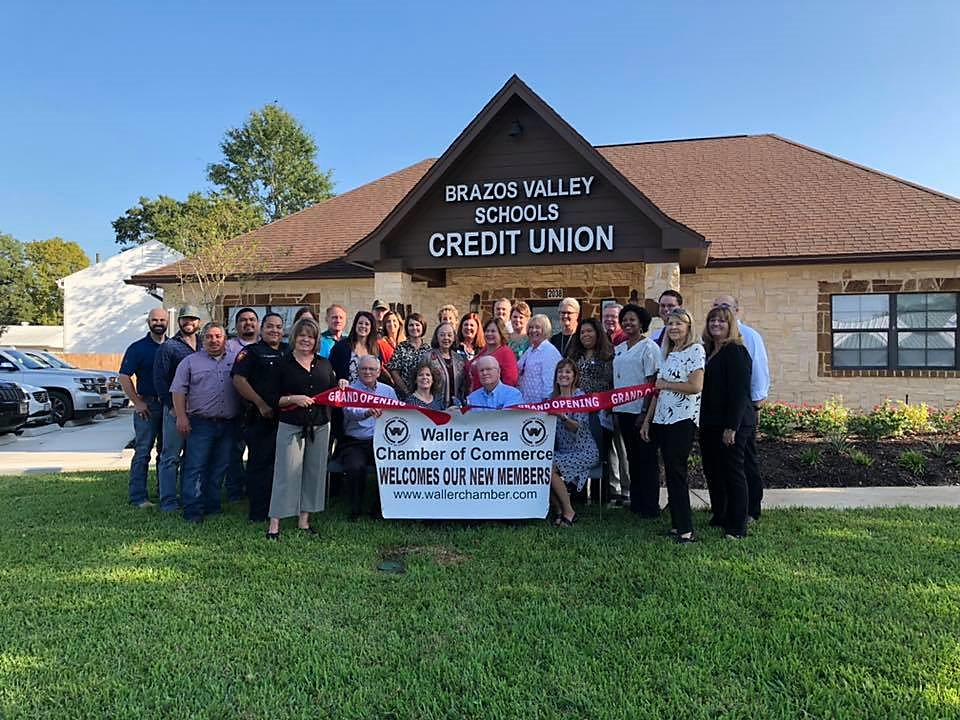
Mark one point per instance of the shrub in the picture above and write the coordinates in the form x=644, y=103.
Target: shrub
x=859, y=457
x=914, y=461
x=916, y=418
x=831, y=420
x=811, y=457
x=694, y=462
x=885, y=421
x=946, y=421
x=777, y=420
x=805, y=415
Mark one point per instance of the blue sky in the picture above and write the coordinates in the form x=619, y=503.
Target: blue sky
x=104, y=102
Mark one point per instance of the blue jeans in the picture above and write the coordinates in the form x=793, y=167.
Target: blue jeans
x=146, y=431
x=204, y=465
x=169, y=466
x=236, y=473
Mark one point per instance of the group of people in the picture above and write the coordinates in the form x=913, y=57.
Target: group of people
x=205, y=397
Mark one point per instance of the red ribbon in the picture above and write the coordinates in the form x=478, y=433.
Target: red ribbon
x=351, y=397
x=591, y=402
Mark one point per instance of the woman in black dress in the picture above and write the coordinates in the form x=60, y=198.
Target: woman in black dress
x=725, y=408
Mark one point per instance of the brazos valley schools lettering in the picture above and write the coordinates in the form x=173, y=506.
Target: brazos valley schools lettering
x=517, y=203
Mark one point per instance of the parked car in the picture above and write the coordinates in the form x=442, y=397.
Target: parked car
x=14, y=407
x=73, y=393
x=41, y=409
x=118, y=398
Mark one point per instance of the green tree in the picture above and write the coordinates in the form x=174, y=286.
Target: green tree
x=271, y=162
x=187, y=225
x=48, y=261
x=15, y=304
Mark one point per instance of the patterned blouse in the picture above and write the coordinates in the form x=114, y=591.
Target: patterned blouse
x=595, y=375
x=672, y=407
x=405, y=360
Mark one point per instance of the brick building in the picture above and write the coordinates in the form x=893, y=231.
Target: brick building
x=851, y=275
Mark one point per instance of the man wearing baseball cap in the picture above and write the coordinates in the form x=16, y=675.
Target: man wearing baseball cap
x=379, y=310
x=169, y=355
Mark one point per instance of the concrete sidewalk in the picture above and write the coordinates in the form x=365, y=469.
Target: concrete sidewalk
x=101, y=445
x=858, y=497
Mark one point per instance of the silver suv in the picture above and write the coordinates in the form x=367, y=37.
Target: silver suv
x=118, y=398
x=73, y=393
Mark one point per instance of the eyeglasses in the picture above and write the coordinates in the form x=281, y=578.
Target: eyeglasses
x=568, y=312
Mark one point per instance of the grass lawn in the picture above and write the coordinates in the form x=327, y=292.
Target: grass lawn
x=112, y=612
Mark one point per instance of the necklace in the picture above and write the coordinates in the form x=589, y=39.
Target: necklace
x=564, y=343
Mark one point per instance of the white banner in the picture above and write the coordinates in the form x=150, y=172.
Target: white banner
x=482, y=465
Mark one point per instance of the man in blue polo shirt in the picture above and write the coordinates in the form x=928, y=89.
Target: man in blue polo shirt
x=492, y=394
x=169, y=356
x=147, y=408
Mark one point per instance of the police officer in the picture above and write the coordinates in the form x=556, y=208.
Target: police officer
x=253, y=377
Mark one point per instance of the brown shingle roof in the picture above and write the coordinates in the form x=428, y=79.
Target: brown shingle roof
x=762, y=196
x=755, y=198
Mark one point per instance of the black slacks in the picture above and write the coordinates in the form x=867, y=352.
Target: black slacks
x=675, y=441
x=726, y=480
x=751, y=467
x=356, y=455
x=644, y=469
x=261, y=436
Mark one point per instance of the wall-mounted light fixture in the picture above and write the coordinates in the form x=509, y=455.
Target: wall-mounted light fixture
x=475, y=303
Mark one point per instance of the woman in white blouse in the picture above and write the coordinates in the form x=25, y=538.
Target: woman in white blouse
x=672, y=418
x=538, y=362
x=636, y=362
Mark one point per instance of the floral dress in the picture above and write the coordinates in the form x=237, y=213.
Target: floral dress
x=575, y=453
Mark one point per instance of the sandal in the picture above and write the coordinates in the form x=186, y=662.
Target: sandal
x=567, y=522
x=273, y=536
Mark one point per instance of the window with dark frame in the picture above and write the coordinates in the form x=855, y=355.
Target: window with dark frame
x=895, y=331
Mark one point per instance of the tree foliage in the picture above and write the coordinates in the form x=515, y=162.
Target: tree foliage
x=14, y=300
x=48, y=261
x=271, y=162
x=28, y=279
x=186, y=225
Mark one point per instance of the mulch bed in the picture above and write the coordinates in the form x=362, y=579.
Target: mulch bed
x=787, y=462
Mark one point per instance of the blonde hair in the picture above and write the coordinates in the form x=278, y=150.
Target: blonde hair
x=733, y=329
x=687, y=341
x=544, y=322
x=449, y=308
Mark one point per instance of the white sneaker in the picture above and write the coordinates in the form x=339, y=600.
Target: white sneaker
x=146, y=504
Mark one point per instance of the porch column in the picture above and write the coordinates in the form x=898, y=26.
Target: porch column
x=394, y=288
x=659, y=277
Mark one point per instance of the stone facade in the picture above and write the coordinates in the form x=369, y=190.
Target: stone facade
x=785, y=304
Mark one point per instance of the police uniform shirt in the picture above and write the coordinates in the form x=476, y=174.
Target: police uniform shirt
x=257, y=363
